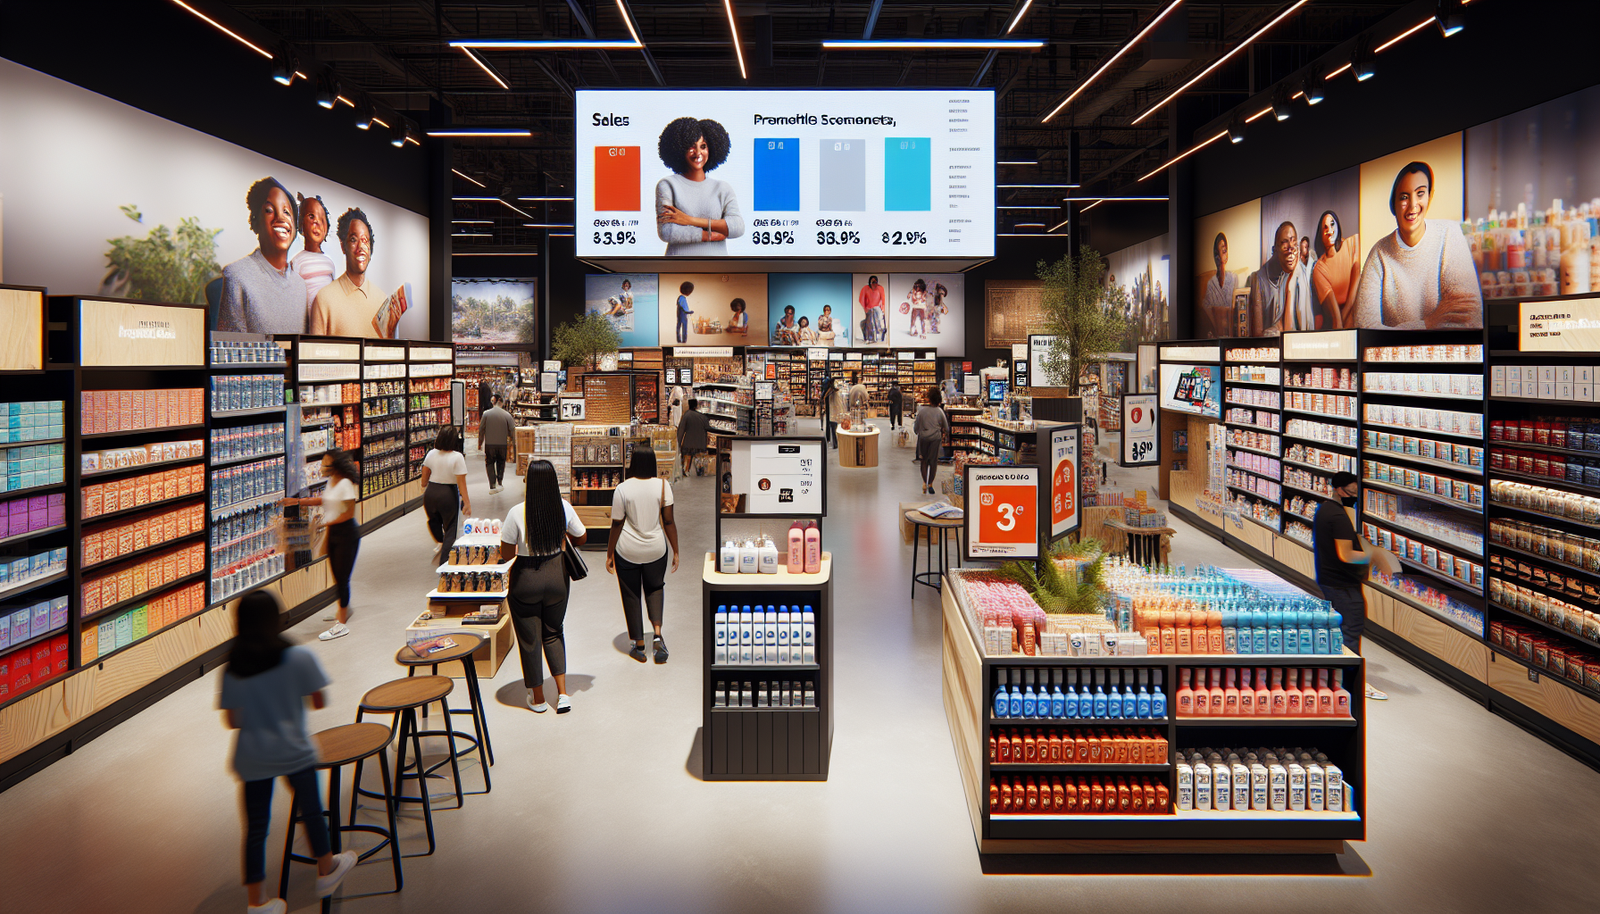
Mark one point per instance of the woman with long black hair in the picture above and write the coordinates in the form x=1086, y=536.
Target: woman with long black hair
x=641, y=530
x=338, y=503
x=265, y=686
x=444, y=488
x=532, y=534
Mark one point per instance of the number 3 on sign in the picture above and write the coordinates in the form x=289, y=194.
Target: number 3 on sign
x=1005, y=514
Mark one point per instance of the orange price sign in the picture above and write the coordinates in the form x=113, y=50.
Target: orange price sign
x=1003, y=516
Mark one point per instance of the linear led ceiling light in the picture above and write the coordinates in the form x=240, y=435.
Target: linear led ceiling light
x=492, y=200
x=327, y=91
x=484, y=66
x=461, y=174
x=472, y=222
x=933, y=44
x=1018, y=162
x=227, y=31
x=733, y=28
x=1282, y=104
x=1047, y=186
x=1162, y=198
x=1189, y=152
x=555, y=225
x=548, y=199
x=1404, y=35
x=480, y=131
x=1222, y=60
x=1112, y=59
x=561, y=44
x=1312, y=89
x=1363, y=61
x=1017, y=19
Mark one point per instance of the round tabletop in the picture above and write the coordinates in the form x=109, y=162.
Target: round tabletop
x=861, y=432
x=342, y=745
x=465, y=644
x=917, y=517
x=411, y=692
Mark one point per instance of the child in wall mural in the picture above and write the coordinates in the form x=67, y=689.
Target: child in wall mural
x=825, y=332
x=786, y=333
x=808, y=337
x=939, y=309
x=684, y=291
x=740, y=321
x=917, y=303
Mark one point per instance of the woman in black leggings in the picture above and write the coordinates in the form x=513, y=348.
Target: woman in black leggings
x=641, y=530
x=338, y=503
x=444, y=489
x=532, y=534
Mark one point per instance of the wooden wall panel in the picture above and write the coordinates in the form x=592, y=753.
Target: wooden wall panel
x=1296, y=556
x=1434, y=636
x=1547, y=696
x=33, y=718
x=179, y=334
x=963, y=706
x=21, y=330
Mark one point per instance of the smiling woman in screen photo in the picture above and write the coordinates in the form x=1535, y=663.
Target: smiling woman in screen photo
x=695, y=213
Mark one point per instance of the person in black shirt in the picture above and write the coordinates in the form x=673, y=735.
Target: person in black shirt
x=896, y=405
x=1342, y=562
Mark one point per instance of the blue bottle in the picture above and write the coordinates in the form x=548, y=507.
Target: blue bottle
x=1158, y=699
x=1258, y=629
x=1320, y=633
x=1058, y=702
x=1335, y=632
x=1275, y=629
x=1099, y=694
x=1141, y=705
x=1030, y=702
x=1230, y=629
x=1308, y=639
x=1002, y=701
x=1114, y=697
x=1069, y=707
x=1014, y=700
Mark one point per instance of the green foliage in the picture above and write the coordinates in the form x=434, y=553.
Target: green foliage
x=501, y=319
x=1053, y=589
x=165, y=266
x=584, y=339
x=1087, y=318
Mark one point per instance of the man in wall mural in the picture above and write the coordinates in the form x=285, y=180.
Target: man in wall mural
x=1420, y=277
x=346, y=306
x=1283, y=293
x=260, y=293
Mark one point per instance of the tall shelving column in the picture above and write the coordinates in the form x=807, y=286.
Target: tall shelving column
x=430, y=368
x=1252, y=402
x=384, y=422
x=247, y=462
x=1321, y=408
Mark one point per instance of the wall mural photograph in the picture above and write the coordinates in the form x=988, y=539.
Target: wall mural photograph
x=712, y=309
x=492, y=310
x=925, y=311
x=630, y=301
x=1142, y=271
x=1225, y=261
x=1310, y=255
x=809, y=309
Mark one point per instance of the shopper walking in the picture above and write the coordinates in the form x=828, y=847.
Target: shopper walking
x=832, y=408
x=264, y=689
x=930, y=427
x=444, y=489
x=1342, y=562
x=859, y=398
x=896, y=404
x=496, y=429
x=338, y=502
x=693, y=434
x=532, y=535
x=641, y=530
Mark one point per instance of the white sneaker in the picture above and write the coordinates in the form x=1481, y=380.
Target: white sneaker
x=538, y=708
x=342, y=865
x=1377, y=695
x=275, y=906
x=563, y=704
x=339, y=630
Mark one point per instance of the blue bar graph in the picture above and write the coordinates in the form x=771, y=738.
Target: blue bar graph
x=907, y=174
x=777, y=173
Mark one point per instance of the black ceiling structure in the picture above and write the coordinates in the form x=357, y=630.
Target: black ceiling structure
x=396, y=55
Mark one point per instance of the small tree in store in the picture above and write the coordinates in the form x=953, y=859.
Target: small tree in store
x=584, y=339
x=1088, y=319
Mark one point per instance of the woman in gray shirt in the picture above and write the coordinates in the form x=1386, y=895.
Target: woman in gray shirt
x=930, y=428
x=695, y=213
x=261, y=293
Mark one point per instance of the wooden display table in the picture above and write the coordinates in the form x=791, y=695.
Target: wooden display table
x=859, y=448
x=444, y=617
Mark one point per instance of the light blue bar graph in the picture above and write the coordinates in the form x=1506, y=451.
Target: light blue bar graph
x=907, y=174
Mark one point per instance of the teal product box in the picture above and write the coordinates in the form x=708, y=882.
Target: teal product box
x=124, y=630
x=106, y=638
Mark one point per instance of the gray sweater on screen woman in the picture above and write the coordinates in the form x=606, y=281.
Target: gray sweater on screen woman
x=708, y=199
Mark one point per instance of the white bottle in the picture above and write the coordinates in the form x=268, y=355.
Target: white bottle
x=783, y=635
x=1335, y=785
x=721, y=635
x=759, y=624
x=1260, y=789
x=1202, y=783
x=769, y=556
x=1316, y=784
x=808, y=638
x=1185, y=784
x=1277, y=784
x=747, y=636
x=1297, y=783
x=772, y=634
x=796, y=636
x=728, y=558
x=1221, y=783
x=1240, y=774
x=748, y=558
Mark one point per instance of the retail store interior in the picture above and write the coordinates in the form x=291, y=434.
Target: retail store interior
x=1128, y=456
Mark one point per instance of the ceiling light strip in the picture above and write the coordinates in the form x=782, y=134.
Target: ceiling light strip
x=484, y=66
x=949, y=44
x=480, y=131
x=226, y=31
x=1017, y=20
x=563, y=44
x=733, y=27
x=462, y=174
x=1182, y=155
x=1403, y=35
x=1221, y=60
x=1112, y=59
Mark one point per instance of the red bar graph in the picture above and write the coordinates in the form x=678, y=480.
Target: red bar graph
x=616, y=178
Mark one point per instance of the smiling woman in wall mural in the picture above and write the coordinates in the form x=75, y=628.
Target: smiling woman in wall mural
x=695, y=213
x=1421, y=277
x=260, y=293
x=1336, y=272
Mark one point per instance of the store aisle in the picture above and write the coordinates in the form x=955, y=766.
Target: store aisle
x=602, y=809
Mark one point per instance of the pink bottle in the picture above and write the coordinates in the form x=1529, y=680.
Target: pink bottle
x=1202, y=695
x=1341, y=696
x=1230, y=695
x=1247, y=694
x=813, y=548
x=797, y=548
x=1218, y=697
x=1308, y=694
x=1279, y=698
x=1324, y=695
x=1291, y=694
x=1263, y=695
x=1185, y=693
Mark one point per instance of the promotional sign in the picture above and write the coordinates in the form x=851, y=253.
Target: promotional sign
x=1559, y=326
x=1192, y=389
x=802, y=173
x=1064, y=495
x=1321, y=345
x=1139, y=430
x=1038, y=351
x=784, y=477
x=1002, y=517
x=127, y=334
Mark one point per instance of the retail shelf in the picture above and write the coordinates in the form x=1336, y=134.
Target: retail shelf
x=1250, y=492
x=370, y=438
x=809, y=710
x=1380, y=364
x=1291, y=722
x=1424, y=432
x=32, y=490
x=234, y=593
x=1255, y=450
x=29, y=642
x=1275, y=528
x=1309, y=466
x=1538, y=401
x=22, y=587
x=141, y=598
x=1317, y=415
x=141, y=431
x=1266, y=476
x=1546, y=448
x=144, y=507
x=1425, y=496
x=1308, y=519
x=1276, y=409
x=1380, y=454
x=119, y=471
x=1075, y=768
x=1263, y=815
x=779, y=667
x=1563, y=566
x=1423, y=608
x=1321, y=443
x=1524, y=617
x=154, y=547
x=1549, y=481
x=481, y=596
x=240, y=413
x=1590, y=694
x=1543, y=517
x=1431, y=572
x=42, y=531
x=1272, y=384
x=1425, y=395
x=1080, y=721
x=1311, y=492
x=1329, y=390
x=240, y=506
x=1259, y=428
x=11, y=444
x=235, y=461
x=1426, y=537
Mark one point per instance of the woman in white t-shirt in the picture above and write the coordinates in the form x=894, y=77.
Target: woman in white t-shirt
x=444, y=488
x=338, y=503
x=641, y=530
x=532, y=534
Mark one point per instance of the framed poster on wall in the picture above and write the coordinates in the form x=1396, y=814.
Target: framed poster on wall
x=1065, y=497
x=1002, y=518
x=1140, y=426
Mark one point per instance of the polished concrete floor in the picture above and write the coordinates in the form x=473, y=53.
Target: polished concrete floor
x=603, y=809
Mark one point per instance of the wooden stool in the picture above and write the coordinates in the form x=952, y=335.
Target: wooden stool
x=940, y=526
x=337, y=747
x=466, y=644
x=402, y=698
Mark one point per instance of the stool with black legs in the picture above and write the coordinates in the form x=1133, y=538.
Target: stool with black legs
x=465, y=645
x=337, y=747
x=402, y=698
